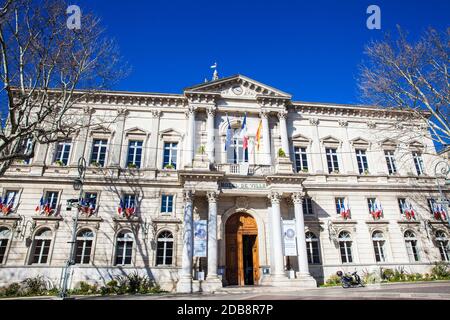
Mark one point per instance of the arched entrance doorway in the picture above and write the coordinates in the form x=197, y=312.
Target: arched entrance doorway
x=242, y=259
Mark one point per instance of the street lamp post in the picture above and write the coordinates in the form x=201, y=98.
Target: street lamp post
x=78, y=186
x=444, y=171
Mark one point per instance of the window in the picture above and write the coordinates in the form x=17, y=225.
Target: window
x=301, y=159
x=379, y=244
x=63, y=152
x=26, y=146
x=411, y=246
x=332, y=160
x=170, y=155
x=236, y=153
x=134, y=154
x=340, y=202
x=164, y=251
x=345, y=246
x=418, y=162
x=307, y=206
x=390, y=160
x=98, y=155
x=124, y=248
x=42, y=241
x=129, y=200
x=52, y=199
x=10, y=200
x=361, y=158
x=443, y=245
x=5, y=235
x=91, y=198
x=167, y=204
x=402, y=205
x=312, y=248
x=85, y=239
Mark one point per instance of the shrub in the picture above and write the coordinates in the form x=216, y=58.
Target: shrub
x=371, y=277
x=334, y=280
x=85, y=289
x=387, y=274
x=440, y=271
x=281, y=153
x=13, y=290
x=34, y=286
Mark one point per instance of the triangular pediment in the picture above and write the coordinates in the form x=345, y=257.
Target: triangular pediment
x=359, y=141
x=330, y=140
x=300, y=138
x=238, y=86
x=135, y=131
x=170, y=132
x=389, y=142
x=100, y=129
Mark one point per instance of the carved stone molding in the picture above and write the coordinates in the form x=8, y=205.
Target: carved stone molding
x=264, y=114
x=212, y=196
x=188, y=196
x=282, y=114
x=275, y=197
x=122, y=112
x=156, y=113
x=314, y=121
x=343, y=123
x=297, y=197
x=371, y=124
x=211, y=111
x=242, y=202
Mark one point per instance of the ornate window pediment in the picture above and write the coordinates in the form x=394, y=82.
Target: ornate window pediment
x=416, y=145
x=100, y=130
x=300, y=139
x=330, y=141
x=135, y=132
x=170, y=134
x=389, y=143
x=360, y=142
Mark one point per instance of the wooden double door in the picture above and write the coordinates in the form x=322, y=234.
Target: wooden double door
x=242, y=254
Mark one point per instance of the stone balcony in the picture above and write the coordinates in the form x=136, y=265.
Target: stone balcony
x=244, y=169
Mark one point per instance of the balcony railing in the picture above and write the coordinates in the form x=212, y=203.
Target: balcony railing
x=245, y=169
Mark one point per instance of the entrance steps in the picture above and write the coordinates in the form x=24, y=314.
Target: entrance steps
x=257, y=289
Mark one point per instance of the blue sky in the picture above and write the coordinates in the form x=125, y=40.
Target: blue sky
x=310, y=49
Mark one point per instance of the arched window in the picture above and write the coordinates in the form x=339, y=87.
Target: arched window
x=164, y=251
x=411, y=246
x=85, y=239
x=5, y=235
x=41, y=245
x=236, y=152
x=345, y=245
x=124, y=248
x=442, y=243
x=379, y=244
x=312, y=248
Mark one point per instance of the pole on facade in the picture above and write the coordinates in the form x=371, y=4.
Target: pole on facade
x=444, y=172
x=77, y=185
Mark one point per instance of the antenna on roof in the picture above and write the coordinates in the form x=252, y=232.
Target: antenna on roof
x=215, y=73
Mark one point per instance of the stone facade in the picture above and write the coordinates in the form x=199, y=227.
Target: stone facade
x=182, y=155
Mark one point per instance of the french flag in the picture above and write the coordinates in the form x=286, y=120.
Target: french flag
x=244, y=133
x=121, y=208
x=40, y=207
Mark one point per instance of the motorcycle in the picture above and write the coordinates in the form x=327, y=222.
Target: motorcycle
x=348, y=280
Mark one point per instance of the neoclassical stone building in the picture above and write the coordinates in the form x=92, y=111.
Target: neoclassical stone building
x=312, y=188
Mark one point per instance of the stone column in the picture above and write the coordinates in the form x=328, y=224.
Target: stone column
x=185, y=273
x=277, y=245
x=266, y=138
x=154, y=138
x=297, y=198
x=304, y=275
x=80, y=145
x=189, y=154
x=282, y=116
x=213, y=281
x=116, y=146
x=211, y=111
